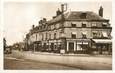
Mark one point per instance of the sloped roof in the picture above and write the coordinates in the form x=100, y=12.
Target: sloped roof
x=75, y=15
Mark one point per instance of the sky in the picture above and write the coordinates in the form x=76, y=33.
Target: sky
x=20, y=16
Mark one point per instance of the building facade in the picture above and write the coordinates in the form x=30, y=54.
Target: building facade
x=81, y=32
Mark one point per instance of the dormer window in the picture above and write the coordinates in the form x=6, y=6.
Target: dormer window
x=83, y=15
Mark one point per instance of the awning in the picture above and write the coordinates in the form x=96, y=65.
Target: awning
x=102, y=41
x=104, y=34
x=84, y=32
x=73, y=32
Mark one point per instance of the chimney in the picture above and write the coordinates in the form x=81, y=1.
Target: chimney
x=41, y=21
x=32, y=26
x=54, y=17
x=44, y=19
x=58, y=12
x=101, y=11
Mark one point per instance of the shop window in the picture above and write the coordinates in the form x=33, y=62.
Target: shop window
x=52, y=46
x=71, y=47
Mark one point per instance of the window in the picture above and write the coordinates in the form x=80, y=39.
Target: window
x=84, y=35
x=42, y=36
x=46, y=36
x=104, y=34
x=73, y=24
x=40, y=27
x=104, y=25
x=73, y=36
x=54, y=26
x=44, y=26
x=94, y=25
x=95, y=34
x=49, y=36
x=54, y=35
x=83, y=25
x=49, y=27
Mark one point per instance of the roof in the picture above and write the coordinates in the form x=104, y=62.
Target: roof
x=76, y=15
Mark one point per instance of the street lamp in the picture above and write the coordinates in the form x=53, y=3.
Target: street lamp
x=63, y=45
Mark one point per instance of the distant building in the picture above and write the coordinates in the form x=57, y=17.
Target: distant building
x=72, y=32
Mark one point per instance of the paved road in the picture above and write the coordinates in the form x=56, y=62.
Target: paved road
x=11, y=63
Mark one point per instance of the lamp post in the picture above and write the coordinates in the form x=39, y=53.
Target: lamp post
x=63, y=44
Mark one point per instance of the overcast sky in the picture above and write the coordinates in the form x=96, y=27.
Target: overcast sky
x=20, y=16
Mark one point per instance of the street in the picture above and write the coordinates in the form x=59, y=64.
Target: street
x=11, y=63
x=47, y=61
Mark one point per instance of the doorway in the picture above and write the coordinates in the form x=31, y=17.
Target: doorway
x=71, y=47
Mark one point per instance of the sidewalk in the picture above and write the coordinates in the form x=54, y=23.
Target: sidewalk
x=70, y=54
x=82, y=61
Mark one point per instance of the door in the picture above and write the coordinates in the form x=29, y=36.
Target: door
x=52, y=47
x=71, y=47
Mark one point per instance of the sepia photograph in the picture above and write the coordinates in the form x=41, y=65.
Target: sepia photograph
x=57, y=35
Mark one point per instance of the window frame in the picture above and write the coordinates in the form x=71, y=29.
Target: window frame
x=73, y=25
x=73, y=36
x=83, y=25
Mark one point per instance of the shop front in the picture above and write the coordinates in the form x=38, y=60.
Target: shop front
x=102, y=46
x=78, y=46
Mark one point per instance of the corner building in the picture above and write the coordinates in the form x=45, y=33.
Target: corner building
x=72, y=32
